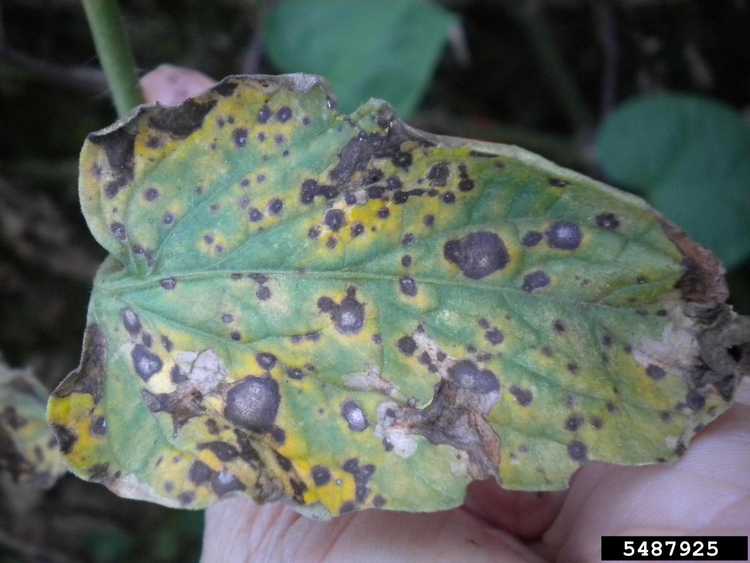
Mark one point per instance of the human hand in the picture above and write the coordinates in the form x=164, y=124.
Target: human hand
x=706, y=493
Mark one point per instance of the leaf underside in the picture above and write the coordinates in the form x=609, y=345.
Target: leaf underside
x=28, y=449
x=349, y=313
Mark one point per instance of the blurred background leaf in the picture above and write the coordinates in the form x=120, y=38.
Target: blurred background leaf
x=28, y=450
x=690, y=157
x=367, y=49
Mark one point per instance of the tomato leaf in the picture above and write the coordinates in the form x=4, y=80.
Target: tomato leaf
x=28, y=450
x=350, y=313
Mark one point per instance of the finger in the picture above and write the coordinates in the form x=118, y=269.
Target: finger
x=238, y=530
x=524, y=515
x=743, y=391
x=171, y=85
x=707, y=490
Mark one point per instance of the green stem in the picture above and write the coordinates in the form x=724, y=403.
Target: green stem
x=531, y=15
x=114, y=53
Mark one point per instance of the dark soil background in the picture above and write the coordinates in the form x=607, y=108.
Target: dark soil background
x=52, y=94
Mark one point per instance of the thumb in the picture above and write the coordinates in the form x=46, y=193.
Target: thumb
x=171, y=85
x=238, y=530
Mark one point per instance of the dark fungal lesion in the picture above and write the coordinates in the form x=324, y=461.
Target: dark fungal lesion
x=655, y=372
x=354, y=416
x=466, y=183
x=151, y=194
x=558, y=182
x=607, y=221
x=147, y=340
x=266, y=360
x=223, y=451
x=299, y=488
x=311, y=189
x=364, y=147
x=531, y=239
x=467, y=375
x=283, y=461
x=535, y=280
x=153, y=142
x=695, y=400
x=119, y=231
x=199, y=473
x=321, y=475
x=278, y=434
x=494, y=336
x=66, y=437
x=578, y=451
x=275, y=206
x=89, y=376
x=438, y=175
x=524, y=397
x=239, y=136
x=348, y=316
x=145, y=363
x=408, y=286
x=564, y=235
x=226, y=87
x=362, y=475
x=284, y=114
x=176, y=375
x=183, y=120
x=406, y=345
x=477, y=254
x=335, y=219
x=253, y=403
x=99, y=426
x=119, y=146
x=573, y=422
x=295, y=373
x=186, y=498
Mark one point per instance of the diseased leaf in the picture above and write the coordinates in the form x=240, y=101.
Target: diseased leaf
x=365, y=48
x=350, y=313
x=28, y=449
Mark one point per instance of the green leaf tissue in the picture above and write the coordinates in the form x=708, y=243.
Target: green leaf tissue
x=344, y=312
